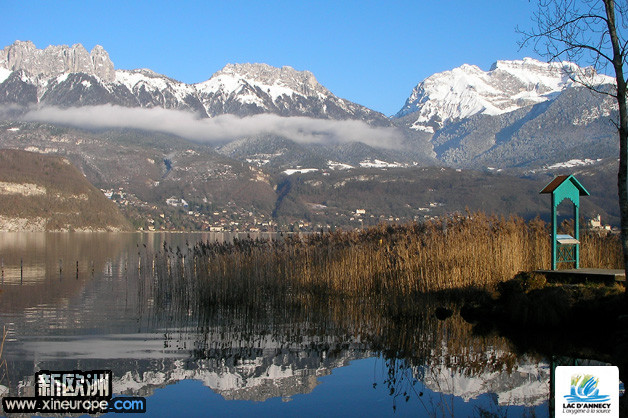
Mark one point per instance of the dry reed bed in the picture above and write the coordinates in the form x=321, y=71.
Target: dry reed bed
x=360, y=283
x=458, y=252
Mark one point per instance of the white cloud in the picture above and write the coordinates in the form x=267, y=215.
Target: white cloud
x=221, y=128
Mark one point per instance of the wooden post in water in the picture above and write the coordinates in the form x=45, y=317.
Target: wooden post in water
x=76, y=269
x=21, y=270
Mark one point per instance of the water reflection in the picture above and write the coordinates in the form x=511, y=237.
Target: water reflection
x=141, y=315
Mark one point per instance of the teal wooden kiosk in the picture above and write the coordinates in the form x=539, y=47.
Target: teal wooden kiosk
x=565, y=248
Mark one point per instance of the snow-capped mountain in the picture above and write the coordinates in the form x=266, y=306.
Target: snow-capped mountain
x=576, y=124
x=519, y=113
x=245, y=89
x=65, y=76
x=508, y=86
x=70, y=77
x=155, y=90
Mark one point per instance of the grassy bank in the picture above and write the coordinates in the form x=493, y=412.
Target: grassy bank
x=459, y=252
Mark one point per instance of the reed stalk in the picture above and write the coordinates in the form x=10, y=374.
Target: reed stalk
x=459, y=252
x=4, y=374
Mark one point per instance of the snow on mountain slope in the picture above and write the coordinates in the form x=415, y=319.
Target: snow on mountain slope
x=497, y=123
x=276, y=82
x=149, y=79
x=248, y=89
x=237, y=89
x=155, y=90
x=4, y=74
x=507, y=86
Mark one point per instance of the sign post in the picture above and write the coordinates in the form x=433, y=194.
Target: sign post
x=565, y=248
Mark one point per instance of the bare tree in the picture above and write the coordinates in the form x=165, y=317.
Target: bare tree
x=590, y=32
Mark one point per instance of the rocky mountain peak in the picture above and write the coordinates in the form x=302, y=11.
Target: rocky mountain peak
x=56, y=60
x=302, y=82
x=66, y=76
x=508, y=85
x=103, y=67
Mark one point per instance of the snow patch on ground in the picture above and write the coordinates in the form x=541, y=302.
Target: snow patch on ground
x=257, y=161
x=573, y=163
x=292, y=171
x=334, y=165
x=62, y=78
x=380, y=164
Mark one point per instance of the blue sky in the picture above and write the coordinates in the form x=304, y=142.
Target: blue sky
x=370, y=52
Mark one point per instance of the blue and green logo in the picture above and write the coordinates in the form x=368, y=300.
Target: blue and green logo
x=584, y=389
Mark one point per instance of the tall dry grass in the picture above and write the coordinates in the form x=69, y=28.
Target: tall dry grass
x=458, y=252
x=4, y=368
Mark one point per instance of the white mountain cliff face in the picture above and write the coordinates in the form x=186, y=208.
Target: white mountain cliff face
x=70, y=76
x=508, y=86
x=56, y=60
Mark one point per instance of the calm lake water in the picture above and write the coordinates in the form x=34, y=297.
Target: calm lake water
x=355, y=358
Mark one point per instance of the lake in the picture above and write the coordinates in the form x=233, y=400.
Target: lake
x=88, y=301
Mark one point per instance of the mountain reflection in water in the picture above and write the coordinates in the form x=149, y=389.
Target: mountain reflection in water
x=129, y=310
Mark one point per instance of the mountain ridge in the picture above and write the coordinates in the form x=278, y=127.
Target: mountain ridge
x=464, y=117
x=465, y=91
x=57, y=59
x=239, y=89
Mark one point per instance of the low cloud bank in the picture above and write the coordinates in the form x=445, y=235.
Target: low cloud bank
x=221, y=128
